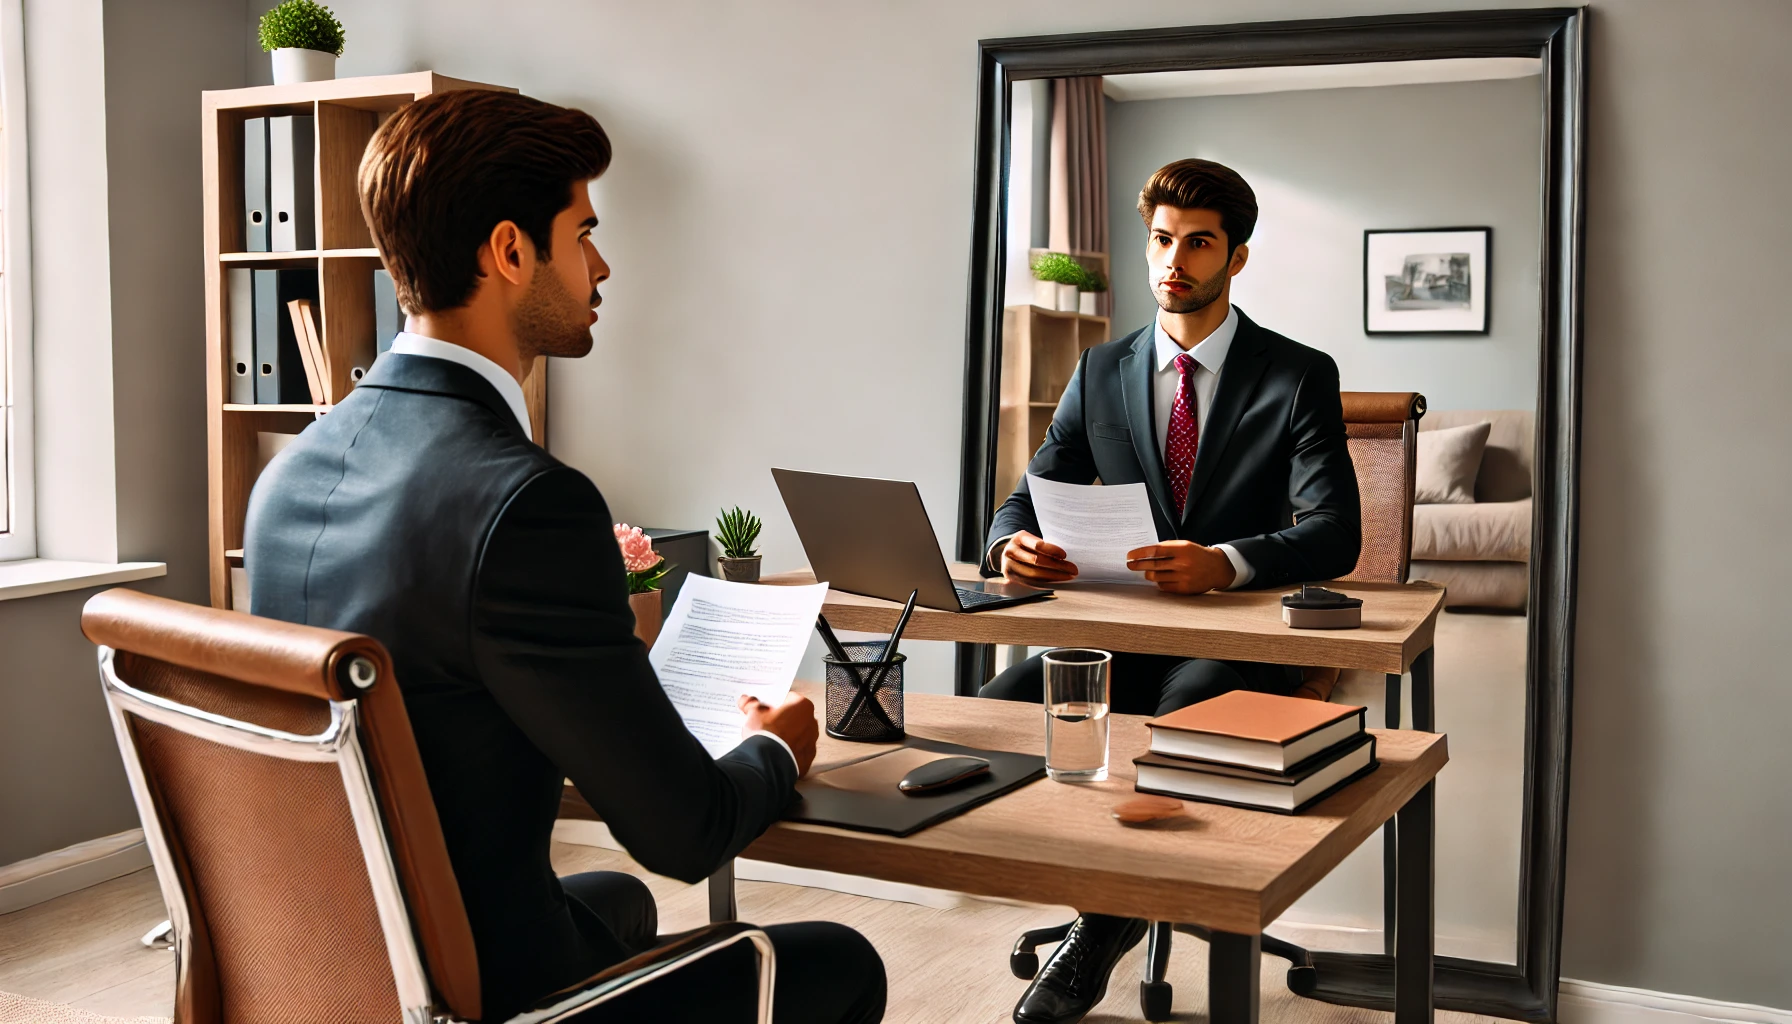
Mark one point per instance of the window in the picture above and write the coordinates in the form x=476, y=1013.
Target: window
x=18, y=536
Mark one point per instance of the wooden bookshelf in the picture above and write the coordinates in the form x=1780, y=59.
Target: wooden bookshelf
x=347, y=111
x=1040, y=349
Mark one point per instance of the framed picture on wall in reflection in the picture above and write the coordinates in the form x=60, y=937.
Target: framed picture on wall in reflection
x=1426, y=281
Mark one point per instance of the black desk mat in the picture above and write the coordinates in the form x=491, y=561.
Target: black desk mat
x=894, y=813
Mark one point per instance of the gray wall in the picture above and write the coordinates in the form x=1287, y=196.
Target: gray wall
x=60, y=779
x=788, y=218
x=1328, y=164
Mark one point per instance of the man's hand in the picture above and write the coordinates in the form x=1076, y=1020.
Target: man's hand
x=792, y=721
x=1030, y=560
x=1183, y=567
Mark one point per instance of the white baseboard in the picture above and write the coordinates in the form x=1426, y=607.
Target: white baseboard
x=1589, y=1002
x=60, y=872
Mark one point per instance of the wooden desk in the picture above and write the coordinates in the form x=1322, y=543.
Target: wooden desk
x=1399, y=622
x=1232, y=871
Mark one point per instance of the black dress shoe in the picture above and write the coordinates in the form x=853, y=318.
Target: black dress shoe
x=1076, y=976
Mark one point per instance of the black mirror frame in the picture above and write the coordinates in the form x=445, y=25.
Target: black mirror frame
x=1525, y=990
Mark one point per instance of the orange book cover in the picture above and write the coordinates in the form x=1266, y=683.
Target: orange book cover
x=1248, y=715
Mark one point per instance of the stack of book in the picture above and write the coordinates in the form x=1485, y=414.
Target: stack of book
x=1257, y=750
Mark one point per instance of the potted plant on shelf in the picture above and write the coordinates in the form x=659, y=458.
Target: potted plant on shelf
x=738, y=531
x=1057, y=278
x=645, y=568
x=305, y=39
x=1091, y=286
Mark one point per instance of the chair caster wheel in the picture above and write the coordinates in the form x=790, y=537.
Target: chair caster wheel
x=1023, y=965
x=1154, y=999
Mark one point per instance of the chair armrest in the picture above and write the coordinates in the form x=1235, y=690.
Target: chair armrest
x=672, y=954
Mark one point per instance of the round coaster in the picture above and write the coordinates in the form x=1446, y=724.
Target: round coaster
x=1142, y=809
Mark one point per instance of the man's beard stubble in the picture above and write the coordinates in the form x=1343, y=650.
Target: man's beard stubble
x=549, y=321
x=1200, y=296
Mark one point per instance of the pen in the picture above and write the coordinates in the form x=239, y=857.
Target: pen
x=881, y=671
x=828, y=638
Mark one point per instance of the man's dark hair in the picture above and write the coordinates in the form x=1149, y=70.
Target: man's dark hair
x=442, y=172
x=1203, y=185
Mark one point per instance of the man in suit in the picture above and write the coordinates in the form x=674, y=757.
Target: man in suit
x=421, y=511
x=1238, y=434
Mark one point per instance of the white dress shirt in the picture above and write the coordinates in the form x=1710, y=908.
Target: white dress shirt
x=408, y=344
x=1210, y=355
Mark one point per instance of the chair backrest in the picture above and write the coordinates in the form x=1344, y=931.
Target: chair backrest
x=286, y=811
x=1383, y=429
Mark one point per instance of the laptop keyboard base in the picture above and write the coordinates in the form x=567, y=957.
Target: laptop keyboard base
x=978, y=598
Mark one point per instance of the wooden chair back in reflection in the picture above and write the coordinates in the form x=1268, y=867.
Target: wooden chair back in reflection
x=1383, y=430
x=292, y=829
x=1383, y=427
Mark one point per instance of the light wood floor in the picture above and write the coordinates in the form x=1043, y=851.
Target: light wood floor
x=944, y=965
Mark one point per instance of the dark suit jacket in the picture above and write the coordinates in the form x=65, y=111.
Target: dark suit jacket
x=418, y=512
x=1272, y=475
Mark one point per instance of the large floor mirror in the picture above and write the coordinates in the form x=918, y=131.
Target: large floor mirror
x=1419, y=189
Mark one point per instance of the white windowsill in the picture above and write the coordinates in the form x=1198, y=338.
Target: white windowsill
x=31, y=577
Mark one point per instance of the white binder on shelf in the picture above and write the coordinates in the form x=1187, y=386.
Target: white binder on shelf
x=292, y=162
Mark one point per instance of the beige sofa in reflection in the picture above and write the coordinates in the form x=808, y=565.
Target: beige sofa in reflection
x=1481, y=550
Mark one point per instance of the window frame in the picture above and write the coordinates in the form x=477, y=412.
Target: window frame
x=18, y=461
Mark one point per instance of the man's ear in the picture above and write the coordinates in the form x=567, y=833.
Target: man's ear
x=1239, y=256
x=507, y=254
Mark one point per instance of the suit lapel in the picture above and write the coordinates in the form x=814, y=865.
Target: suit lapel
x=1135, y=391
x=1244, y=368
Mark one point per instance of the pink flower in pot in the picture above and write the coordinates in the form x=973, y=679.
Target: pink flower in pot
x=637, y=548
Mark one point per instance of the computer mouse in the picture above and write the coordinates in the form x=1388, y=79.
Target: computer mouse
x=943, y=774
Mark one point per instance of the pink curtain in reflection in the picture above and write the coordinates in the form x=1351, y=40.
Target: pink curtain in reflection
x=1079, y=170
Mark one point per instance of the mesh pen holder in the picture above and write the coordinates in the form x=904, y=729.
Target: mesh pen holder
x=850, y=716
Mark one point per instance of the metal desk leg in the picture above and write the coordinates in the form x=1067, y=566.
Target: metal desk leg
x=1413, y=954
x=721, y=895
x=1154, y=992
x=1424, y=705
x=1390, y=831
x=1232, y=978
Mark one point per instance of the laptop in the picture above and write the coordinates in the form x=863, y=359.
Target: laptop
x=873, y=537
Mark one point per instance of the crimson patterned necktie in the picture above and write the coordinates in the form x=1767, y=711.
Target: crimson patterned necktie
x=1184, y=435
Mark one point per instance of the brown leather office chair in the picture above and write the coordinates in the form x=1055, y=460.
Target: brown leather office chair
x=293, y=833
x=1383, y=430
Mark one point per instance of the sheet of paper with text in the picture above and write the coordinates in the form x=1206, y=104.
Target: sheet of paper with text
x=1096, y=526
x=725, y=639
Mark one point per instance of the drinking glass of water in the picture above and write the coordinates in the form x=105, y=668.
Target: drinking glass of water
x=1076, y=714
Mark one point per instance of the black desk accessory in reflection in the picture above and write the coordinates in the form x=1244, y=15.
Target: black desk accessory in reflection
x=943, y=774
x=1314, y=607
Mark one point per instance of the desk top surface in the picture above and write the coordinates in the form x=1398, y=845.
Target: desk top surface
x=1051, y=842
x=1398, y=622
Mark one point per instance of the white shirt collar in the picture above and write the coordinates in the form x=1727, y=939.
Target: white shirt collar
x=1210, y=351
x=408, y=344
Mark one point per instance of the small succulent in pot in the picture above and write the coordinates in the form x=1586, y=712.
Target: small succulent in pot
x=737, y=530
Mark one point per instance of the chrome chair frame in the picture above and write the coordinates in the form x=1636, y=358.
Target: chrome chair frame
x=340, y=744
